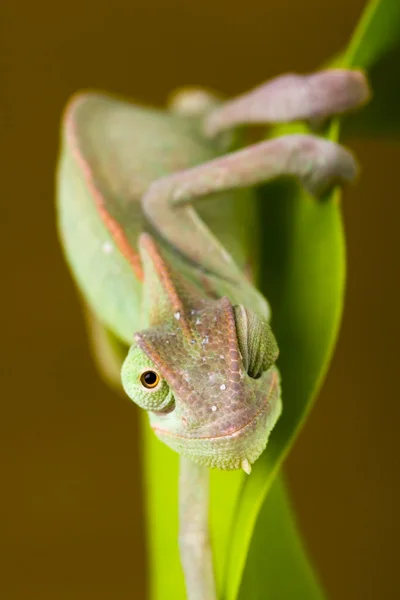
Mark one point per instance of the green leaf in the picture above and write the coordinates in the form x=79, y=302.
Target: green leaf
x=281, y=571
x=375, y=46
x=381, y=117
x=377, y=33
x=161, y=466
x=303, y=275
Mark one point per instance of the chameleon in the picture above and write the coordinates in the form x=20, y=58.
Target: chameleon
x=157, y=216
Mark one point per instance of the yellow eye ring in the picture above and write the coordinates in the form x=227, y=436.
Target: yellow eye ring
x=149, y=379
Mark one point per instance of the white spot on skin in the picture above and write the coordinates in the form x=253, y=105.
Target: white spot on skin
x=222, y=387
x=107, y=247
x=167, y=341
x=198, y=322
x=226, y=256
x=205, y=340
x=204, y=359
x=192, y=341
x=221, y=356
x=177, y=315
x=246, y=466
x=214, y=408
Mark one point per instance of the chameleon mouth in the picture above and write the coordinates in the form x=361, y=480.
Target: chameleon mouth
x=234, y=449
x=266, y=404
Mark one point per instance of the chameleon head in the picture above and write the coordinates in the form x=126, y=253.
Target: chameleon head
x=213, y=391
x=203, y=369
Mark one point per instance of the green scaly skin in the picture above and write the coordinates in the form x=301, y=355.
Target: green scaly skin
x=173, y=284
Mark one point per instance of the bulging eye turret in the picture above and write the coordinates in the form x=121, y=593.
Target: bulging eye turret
x=143, y=384
x=257, y=343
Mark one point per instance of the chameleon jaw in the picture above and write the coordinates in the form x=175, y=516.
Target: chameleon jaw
x=232, y=451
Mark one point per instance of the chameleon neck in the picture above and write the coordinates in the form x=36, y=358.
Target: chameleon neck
x=213, y=284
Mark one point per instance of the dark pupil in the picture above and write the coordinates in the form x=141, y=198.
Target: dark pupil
x=150, y=378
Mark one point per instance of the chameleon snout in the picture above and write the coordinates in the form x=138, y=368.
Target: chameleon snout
x=227, y=447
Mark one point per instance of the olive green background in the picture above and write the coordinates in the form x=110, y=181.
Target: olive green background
x=71, y=523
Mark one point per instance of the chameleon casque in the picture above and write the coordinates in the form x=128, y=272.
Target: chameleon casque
x=175, y=284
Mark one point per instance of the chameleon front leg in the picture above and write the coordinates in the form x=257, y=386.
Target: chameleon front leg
x=316, y=162
x=194, y=541
x=287, y=98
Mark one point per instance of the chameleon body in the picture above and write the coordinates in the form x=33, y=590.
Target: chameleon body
x=101, y=221
x=111, y=152
x=174, y=284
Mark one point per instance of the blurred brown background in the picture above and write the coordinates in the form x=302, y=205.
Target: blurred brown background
x=70, y=518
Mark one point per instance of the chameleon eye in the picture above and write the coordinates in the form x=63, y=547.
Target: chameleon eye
x=149, y=379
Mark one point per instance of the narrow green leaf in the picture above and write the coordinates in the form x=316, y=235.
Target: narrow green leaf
x=375, y=46
x=281, y=571
x=161, y=466
x=381, y=118
x=377, y=33
x=303, y=274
